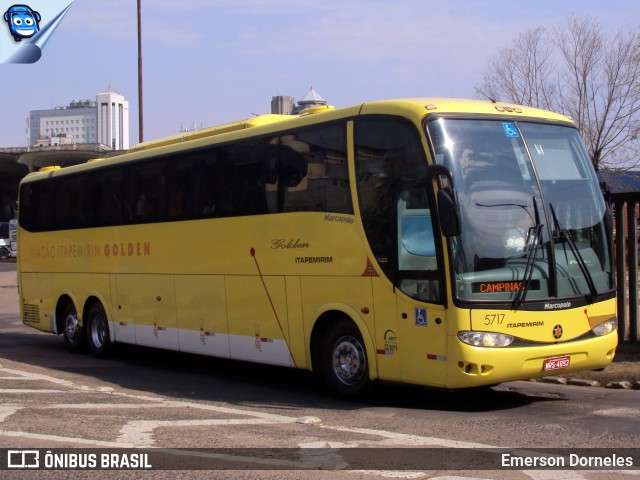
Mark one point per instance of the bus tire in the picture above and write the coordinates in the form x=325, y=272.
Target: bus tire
x=345, y=367
x=73, y=334
x=98, y=331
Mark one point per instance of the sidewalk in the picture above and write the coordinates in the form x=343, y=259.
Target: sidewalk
x=9, y=306
x=622, y=373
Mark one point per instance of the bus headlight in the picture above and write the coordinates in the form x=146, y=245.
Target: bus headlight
x=485, y=339
x=606, y=327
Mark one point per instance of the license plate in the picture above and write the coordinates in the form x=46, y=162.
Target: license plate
x=556, y=363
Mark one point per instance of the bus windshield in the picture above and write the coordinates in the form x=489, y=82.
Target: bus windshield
x=533, y=219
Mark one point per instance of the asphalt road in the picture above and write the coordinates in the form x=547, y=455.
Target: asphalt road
x=253, y=419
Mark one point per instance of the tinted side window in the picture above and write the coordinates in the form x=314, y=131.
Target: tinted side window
x=300, y=170
x=245, y=185
x=71, y=202
x=388, y=153
x=113, y=197
x=149, y=190
x=212, y=191
x=313, y=174
x=181, y=187
x=37, y=205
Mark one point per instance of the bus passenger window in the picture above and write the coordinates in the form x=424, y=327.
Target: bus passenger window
x=246, y=182
x=313, y=172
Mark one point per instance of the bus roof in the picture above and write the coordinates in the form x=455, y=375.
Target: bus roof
x=212, y=131
x=443, y=106
x=421, y=105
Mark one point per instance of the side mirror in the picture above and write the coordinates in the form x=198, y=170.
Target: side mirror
x=449, y=212
x=448, y=206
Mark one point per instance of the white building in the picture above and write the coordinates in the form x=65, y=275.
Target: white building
x=113, y=119
x=103, y=121
x=76, y=121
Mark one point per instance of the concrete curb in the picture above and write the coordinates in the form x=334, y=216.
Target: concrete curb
x=582, y=382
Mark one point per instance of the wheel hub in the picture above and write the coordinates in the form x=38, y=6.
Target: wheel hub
x=348, y=361
x=71, y=326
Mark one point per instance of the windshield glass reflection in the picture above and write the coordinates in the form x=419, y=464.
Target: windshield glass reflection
x=533, y=219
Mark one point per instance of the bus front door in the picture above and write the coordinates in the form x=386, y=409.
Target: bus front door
x=410, y=337
x=422, y=341
x=420, y=315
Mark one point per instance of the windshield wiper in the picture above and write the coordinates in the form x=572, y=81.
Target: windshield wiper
x=564, y=236
x=532, y=244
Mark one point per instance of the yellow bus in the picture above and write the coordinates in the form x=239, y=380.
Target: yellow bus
x=436, y=242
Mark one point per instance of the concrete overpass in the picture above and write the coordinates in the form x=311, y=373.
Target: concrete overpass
x=35, y=158
x=17, y=162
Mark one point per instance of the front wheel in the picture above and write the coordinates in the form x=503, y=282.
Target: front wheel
x=344, y=360
x=98, y=331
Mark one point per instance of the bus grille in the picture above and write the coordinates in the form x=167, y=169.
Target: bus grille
x=31, y=313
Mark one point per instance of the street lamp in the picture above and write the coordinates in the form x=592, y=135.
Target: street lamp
x=140, y=114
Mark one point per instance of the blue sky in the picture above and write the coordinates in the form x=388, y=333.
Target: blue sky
x=213, y=61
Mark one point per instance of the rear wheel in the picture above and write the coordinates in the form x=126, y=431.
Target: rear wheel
x=344, y=360
x=98, y=331
x=74, y=336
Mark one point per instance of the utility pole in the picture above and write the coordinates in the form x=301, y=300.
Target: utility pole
x=140, y=103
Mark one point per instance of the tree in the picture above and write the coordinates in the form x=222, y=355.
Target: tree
x=577, y=70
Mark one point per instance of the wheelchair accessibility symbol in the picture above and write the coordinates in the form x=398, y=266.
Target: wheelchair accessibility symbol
x=421, y=317
x=510, y=130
